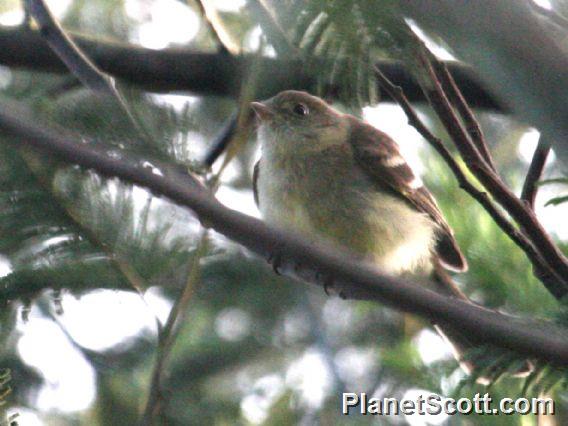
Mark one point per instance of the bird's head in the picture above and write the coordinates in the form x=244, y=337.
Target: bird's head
x=299, y=121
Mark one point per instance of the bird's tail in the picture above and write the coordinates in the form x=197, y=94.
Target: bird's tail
x=460, y=342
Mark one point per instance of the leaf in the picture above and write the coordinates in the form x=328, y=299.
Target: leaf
x=543, y=182
x=556, y=201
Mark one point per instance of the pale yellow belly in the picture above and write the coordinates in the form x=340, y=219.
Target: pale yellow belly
x=378, y=226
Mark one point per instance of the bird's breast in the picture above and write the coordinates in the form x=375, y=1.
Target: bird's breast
x=327, y=197
x=281, y=195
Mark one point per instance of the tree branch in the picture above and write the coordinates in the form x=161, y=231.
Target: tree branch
x=518, y=210
x=355, y=279
x=530, y=187
x=69, y=53
x=221, y=140
x=75, y=60
x=205, y=73
x=168, y=334
x=480, y=196
x=472, y=125
x=517, y=53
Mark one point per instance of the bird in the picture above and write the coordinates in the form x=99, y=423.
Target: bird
x=333, y=178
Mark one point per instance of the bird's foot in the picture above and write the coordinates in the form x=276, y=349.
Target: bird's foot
x=275, y=260
x=326, y=281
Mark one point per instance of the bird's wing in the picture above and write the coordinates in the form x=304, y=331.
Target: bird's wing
x=255, y=182
x=379, y=156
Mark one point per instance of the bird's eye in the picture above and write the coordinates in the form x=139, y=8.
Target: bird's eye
x=301, y=110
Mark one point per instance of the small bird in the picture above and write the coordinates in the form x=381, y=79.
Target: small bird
x=336, y=179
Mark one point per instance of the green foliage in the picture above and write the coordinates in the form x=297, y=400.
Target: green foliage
x=65, y=227
x=350, y=36
x=550, y=181
x=555, y=201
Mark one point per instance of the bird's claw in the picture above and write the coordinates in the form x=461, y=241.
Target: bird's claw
x=275, y=260
x=327, y=284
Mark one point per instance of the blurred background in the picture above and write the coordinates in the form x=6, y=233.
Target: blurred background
x=254, y=347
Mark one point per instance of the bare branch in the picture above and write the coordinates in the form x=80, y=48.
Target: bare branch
x=530, y=187
x=519, y=54
x=168, y=334
x=206, y=73
x=480, y=196
x=79, y=64
x=471, y=123
x=308, y=261
x=75, y=60
x=518, y=210
x=221, y=140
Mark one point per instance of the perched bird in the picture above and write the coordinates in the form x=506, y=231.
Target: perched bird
x=336, y=179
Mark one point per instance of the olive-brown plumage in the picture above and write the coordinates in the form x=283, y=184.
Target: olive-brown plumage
x=338, y=178
x=335, y=178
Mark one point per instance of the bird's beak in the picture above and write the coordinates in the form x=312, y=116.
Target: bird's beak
x=263, y=112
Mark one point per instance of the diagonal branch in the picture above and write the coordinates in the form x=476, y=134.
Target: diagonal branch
x=515, y=207
x=472, y=125
x=168, y=334
x=222, y=140
x=79, y=64
x=75, y=60
x=530, y=187
x=308, y=261
x=480, y=196
x=274, y=32
x=517, y=53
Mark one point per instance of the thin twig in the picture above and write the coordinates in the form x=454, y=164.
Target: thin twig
x=470, y=121
x=168, y=334
x=530, y=187
x=306, y=260
x=523, y=215
x=439, y=101
x=221, y=141
x=481, y=197
x=226, y=42
x=79, y=64
x=75, y=60
x=239, y=128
